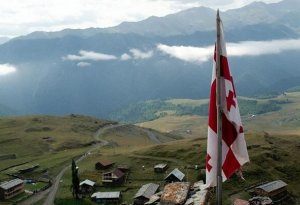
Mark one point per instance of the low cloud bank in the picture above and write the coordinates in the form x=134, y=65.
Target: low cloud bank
x=245, y=48
x=6, y=69
x=89, y=55
x=84, y=56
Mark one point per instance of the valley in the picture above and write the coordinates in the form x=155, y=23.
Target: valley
x=51, y=142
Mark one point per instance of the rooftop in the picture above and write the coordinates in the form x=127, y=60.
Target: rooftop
x=105, y=162
x=147, y=190
x=106, y=195
x=272, y=186
x=177, y=173
x=175, y=193
x=161, y=166
x=11, y=184
x=87, y=182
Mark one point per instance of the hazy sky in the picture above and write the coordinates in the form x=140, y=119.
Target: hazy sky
x=20, y=17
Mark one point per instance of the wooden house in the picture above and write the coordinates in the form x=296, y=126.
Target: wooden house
x=175, y=176
x=124, y=168
x=103, y=164
x=144, y=193
x=272, y=189
x=87, y=186
x=115, y=177
x=11, y=188
x=107, y=197
x=160, y=168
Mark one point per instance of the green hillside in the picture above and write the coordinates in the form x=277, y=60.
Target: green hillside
x=155, y=109
x=275, y=114
x=50, y=142
x=272, y=157
x=44, y=140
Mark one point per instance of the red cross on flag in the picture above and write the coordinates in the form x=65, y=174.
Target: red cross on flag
x=234, y=149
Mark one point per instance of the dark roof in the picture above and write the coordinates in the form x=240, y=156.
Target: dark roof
x=147, y=190
x=177, y=173
x=11, y=184
x=272, y=186
x=116, y=172
x=105, y=162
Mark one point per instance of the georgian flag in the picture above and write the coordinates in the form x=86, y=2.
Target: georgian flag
x=234, y=149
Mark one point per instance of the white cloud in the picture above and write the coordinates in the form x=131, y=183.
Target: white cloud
x=89, y=55
x=187, y=53
x=125, y=56
x=6, y=69
x=246, y=48
x=138, y=54
x=255, y=48
x=83, y=64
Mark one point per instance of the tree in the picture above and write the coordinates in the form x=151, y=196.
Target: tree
x=75, y=180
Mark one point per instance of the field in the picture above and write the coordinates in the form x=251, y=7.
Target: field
x=286, y=120
x=44, y=141
x=48, y=143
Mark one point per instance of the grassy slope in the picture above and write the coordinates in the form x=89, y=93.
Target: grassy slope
x=272, y=157
x=44, y=140
x=273, y=138
x=285, y=121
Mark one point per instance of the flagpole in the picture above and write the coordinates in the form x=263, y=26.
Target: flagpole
x=219, y=112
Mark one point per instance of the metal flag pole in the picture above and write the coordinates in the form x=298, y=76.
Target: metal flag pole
x=219, y=112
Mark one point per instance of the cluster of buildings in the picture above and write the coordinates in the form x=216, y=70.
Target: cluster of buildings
x=173, y=191
x=176, y=190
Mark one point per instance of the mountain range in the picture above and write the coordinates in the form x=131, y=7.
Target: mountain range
x=96, y=71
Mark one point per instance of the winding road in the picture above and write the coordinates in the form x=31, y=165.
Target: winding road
x=49, y=194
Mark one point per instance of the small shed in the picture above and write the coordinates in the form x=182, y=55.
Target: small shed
x=115, y=177
x=11, y=188
x=160, y=168
x=124, y=168
x=271, y=189
x=106, y=197
x=103, y=164
x=175, y=193
x=144, y=193
x=87, y=186
x=175, y=176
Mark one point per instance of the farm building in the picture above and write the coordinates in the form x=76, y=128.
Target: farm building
x=87, y=186
x=115, y=177
x=11, y=188
x=106, y=197
x=175, y=176
x=103, y=164
x=272, y=189
x=124, y=168
x=144, y=193
x=175, y=193
x=159, y=168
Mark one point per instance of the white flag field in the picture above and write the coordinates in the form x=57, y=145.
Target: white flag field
x=234, y=149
